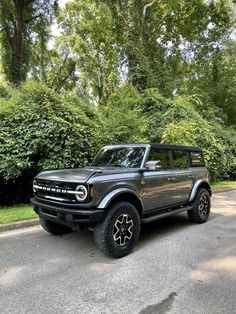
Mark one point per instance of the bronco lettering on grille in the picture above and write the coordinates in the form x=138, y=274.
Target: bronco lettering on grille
x=48, y=189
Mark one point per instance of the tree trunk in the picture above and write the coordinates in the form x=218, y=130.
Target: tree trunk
x=17, y=46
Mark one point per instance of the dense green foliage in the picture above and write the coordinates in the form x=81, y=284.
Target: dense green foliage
x=133, y=116
x=218, y=81
x=39, y=129
x=118, y=71
x=161, y=44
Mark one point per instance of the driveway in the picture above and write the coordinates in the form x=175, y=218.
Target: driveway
x=177, y=267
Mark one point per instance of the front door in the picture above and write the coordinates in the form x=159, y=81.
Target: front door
x=159, y=186
x=160, y=189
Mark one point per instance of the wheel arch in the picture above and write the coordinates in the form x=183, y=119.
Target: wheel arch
x=122, y=195
x=200, y=184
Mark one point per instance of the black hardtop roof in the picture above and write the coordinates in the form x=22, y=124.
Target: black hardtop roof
x=158, y=145
x=173, y=146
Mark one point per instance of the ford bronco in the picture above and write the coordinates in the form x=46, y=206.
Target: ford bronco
x=124, y=186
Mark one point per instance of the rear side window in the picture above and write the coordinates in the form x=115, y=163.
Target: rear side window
x=180, y=159
x=197, y=159
x=162, y=155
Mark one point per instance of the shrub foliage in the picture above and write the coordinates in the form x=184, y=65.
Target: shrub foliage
x=40, y=129
x=149, y=117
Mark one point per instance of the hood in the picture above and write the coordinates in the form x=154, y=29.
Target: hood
x=79, y=175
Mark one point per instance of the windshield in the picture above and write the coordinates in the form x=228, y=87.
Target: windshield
x=120, y=157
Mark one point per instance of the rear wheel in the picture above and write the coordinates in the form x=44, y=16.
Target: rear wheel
x=54, y=228
x=201, y=207
x=118, y=233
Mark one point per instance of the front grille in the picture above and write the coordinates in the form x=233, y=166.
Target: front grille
x=57, y=191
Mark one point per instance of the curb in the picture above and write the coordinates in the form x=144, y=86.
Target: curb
x=223, y=190
x=19, y=225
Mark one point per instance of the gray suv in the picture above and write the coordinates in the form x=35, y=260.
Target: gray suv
x=124, y=186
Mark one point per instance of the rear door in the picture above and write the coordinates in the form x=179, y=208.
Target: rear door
x=183, y=174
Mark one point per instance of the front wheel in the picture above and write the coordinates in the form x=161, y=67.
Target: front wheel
x=118, y=233
x=201, y=207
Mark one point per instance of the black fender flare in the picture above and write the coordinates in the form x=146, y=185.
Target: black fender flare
x=112, y=194
x=196, y=186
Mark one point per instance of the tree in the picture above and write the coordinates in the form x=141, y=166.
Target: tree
x=159, y=38
x=151, y=43
x=88, y=34
x=22, y=21
x=54, y=67
x=223, y=92
x=214, y=80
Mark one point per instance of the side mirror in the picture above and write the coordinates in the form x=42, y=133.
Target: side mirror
x=153, y=165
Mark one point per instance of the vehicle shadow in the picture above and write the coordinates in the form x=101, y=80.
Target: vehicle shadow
x=163, y=227
x=83, y=239
x=150, y=232
x=155, y=230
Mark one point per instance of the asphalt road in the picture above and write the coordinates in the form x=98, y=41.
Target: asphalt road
x=177, y=267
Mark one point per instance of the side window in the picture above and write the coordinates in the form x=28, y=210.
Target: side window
x=180, y=159
x=197, y=159
x=162, y=155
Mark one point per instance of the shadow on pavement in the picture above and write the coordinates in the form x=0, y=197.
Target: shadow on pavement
x=163, y=227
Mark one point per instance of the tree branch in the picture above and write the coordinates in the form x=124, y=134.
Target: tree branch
x=146, y=7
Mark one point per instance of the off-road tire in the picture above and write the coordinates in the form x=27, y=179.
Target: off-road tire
x=105, y=231
x=199, y=214
x=54, y=228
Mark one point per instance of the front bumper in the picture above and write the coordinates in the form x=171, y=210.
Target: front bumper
x=67, y=216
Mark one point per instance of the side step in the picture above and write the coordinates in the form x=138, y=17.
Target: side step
x=169, y=212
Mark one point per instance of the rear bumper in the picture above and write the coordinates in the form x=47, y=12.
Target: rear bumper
x=66, y=216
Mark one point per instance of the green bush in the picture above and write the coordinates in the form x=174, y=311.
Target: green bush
x=40, y=129
x=130, y=116
x=122, y=120
x=192, y=133
x=182, y=120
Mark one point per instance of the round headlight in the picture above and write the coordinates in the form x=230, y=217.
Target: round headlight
x=82, y=193
x=34, y=183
